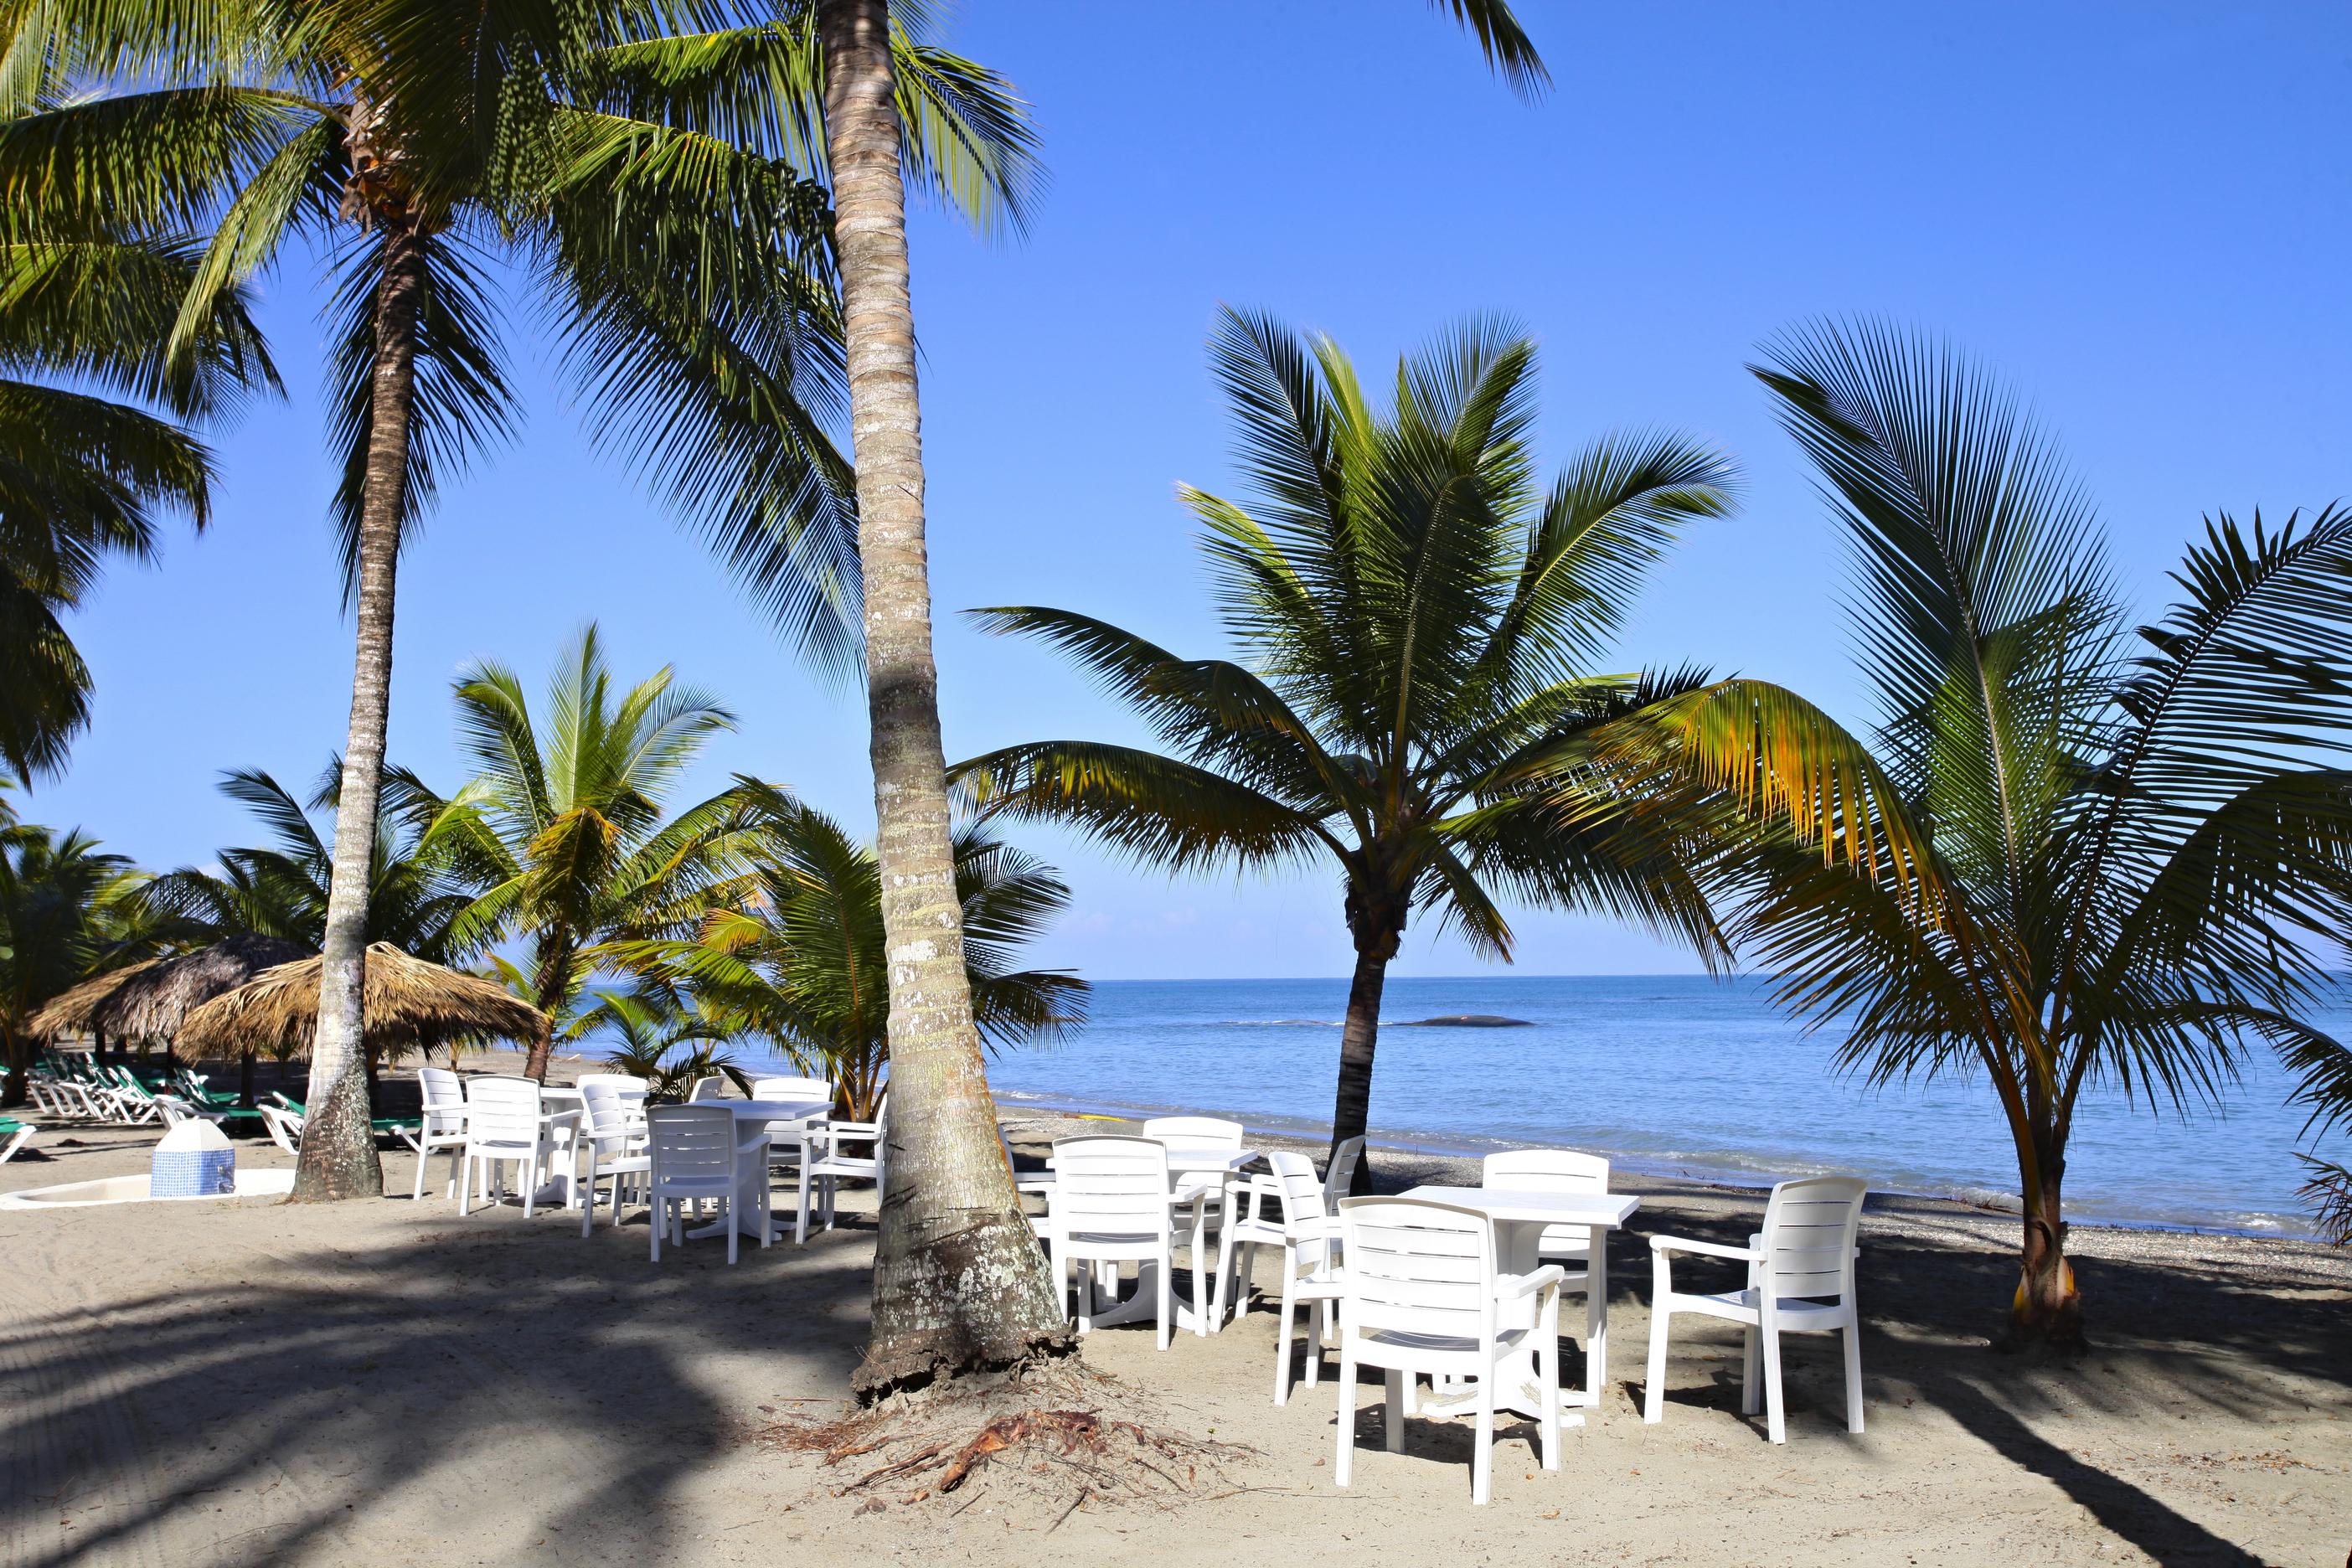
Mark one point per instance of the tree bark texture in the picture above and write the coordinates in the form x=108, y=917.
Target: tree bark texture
x=959, y=1282
x=2047, y=1307
x=1378, y=926
x=338, y=1159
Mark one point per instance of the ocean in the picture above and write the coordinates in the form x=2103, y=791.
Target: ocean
x=1666, y=1074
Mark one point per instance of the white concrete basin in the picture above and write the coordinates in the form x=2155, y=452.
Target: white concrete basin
x=133, y=1190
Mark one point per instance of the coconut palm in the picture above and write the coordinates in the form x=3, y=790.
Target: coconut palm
x=797, y=952
x=1423, y=621
x=88, y=469
x=657, y=1037
x=281, y=889
x=958, y=1283
x=659, y=193
x=61, y=921
x=563, y=829
x=2065, y=860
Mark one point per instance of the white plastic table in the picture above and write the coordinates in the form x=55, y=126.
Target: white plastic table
x=1144, y=1304
x=1519, y=1218
x=748, y=1212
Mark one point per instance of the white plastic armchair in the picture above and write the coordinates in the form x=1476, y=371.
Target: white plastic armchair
x=710, y=1085
x=1110, y=1206
x=1309, y=1237
x=828, y=1159
x=1799, y=1278
x=1420, y=1294
x=508, y=1124
x=789, y=1143
x=694, y=1157
x=1342, y=1173
x=441, y=1125
x=614, y=1142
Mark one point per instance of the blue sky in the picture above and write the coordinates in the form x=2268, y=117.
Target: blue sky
x=2139, y=215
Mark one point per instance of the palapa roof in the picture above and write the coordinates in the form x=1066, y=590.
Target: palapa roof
x=407, y=1002
x=149, y=1000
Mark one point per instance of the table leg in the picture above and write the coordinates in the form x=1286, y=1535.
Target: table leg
x=1596, y=1318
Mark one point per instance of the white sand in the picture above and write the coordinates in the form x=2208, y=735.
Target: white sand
x=248, y=1383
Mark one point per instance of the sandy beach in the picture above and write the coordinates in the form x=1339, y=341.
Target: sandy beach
x=241, y=1381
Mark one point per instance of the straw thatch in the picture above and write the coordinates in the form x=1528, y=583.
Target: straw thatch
x=72, y=1012
x=407, y=1002
x=150, y=1001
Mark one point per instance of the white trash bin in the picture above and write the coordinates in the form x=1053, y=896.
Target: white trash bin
x=192, y=1160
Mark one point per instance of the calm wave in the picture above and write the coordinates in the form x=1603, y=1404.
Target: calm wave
x=1666, y=1074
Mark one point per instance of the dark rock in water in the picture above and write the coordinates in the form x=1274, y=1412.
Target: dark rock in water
x=1465, y=1021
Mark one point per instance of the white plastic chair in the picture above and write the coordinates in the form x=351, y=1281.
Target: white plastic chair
x=441, y=1125
x=1206, y=1133
x=176, y=1111
x=615, y=1144
x=1570, y=1245
x=1342, y=1172
x=1111, y=1204
x=693, y=1158
x=825, y=1164
x=789, y=1142
x=710, y=1085
x=1309, y=1237
x=631, y=1088
x=506, y=1123
x=1799, y=1278
x=1419, y=1294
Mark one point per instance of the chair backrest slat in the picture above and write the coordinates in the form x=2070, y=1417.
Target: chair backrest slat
x=1110, y=1184
x=1342, y=1173
x=690, y=1141
x=1195, y=1131
x=1545, y=1171
x=1415, y=1267
x=792, y=1089
x=502, y=1110
x=1809, y=1236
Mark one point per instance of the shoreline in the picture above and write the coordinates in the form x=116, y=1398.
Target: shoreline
x=1987, y=1202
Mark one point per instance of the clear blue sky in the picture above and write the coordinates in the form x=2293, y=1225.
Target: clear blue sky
x=2137, y=213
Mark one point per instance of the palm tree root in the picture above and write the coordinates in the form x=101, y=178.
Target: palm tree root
x=1042, y=1439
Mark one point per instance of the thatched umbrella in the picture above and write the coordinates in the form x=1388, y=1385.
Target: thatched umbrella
x=75, y=1012
x=152, y=1001
x=407, y=1003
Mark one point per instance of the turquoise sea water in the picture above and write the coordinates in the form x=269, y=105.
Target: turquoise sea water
x=1663, y=1073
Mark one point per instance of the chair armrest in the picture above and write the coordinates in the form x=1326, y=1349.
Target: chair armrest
x=1663, y=1244
x=1550, y=1277
x=758, y=1144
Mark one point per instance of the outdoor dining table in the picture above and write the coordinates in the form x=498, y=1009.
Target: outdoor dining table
x=1519, y=1219
x=748, y=1212
x=1182, y=1161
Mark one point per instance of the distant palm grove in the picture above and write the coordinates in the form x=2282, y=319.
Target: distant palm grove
x=2073, y=846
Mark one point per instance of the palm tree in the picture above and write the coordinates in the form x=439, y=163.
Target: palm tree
x=650, y=1030
x=2065, y=860
x=562, y=828
x=85, y=468
x=281, y=890
x=55, y=894
x=798, y=952
x=1424, y=621
x=661, y=194
x=958, y=1284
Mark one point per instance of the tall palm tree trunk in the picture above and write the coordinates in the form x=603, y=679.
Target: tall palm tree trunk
x=338, y=1159
x=2047, y=1307
x=1379, y=930
x=959, y=1282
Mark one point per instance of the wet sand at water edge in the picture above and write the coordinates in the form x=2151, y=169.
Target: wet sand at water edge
x=243, y=1382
